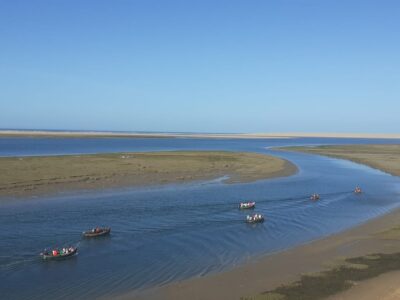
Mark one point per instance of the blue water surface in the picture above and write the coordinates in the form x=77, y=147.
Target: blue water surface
x=167, y=233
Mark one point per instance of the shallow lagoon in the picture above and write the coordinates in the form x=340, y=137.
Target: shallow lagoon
x=166, y=233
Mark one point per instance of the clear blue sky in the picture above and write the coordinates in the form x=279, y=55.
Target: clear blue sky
x=202, y=66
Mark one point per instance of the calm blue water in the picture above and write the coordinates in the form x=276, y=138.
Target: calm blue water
x=167, y=233
x=15, y=146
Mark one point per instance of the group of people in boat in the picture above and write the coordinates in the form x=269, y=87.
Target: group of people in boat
x=59, y=252
x=255, y=218
x=247, y=205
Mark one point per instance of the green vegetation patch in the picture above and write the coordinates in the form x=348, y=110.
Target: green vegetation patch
x=390, y=234
x=330, y=282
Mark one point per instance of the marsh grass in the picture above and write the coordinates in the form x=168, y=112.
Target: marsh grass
x=326, y=283
x=38, y=175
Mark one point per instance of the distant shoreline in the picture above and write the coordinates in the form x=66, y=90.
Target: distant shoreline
x=98, y=134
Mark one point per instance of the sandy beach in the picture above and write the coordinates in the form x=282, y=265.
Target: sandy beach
x=29, y=176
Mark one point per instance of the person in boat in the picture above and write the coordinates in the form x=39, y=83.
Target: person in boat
x=314, y=196
x=55, y=252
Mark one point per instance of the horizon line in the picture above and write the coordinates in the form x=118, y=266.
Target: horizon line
x=155, y=134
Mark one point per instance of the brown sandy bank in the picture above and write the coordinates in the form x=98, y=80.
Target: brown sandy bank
x=27, y=176
x=251, y=280
x=382, y=157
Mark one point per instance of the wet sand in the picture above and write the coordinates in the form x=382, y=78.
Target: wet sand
x=38, y=175
x=252, y=279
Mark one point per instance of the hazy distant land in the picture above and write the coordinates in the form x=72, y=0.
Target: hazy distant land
x=45, y=133
x=34, y=175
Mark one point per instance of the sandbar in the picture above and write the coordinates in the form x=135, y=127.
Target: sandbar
x=38, y=175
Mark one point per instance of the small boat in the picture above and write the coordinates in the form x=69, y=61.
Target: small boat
x=57, y=254
x=256, y=218
x=247, y=205
x=314, y=197
x=357, y=190
x=95, y=232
